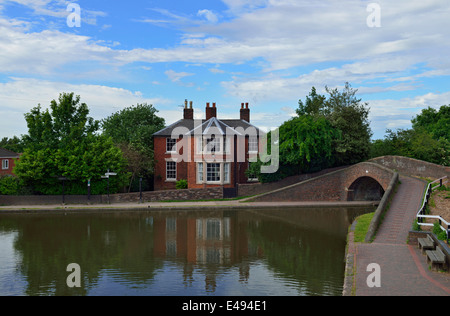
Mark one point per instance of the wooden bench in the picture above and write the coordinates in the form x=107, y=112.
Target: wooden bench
x=426, y=243
x=436, y=257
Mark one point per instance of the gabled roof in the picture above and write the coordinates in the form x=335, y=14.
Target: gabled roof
x=5, y=153
x=213, y=126
x=207, y=127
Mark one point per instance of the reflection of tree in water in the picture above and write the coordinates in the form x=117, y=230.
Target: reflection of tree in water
x=314, y=259
x=47, y=244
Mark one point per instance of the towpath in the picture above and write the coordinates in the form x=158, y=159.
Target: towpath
x=403, y=268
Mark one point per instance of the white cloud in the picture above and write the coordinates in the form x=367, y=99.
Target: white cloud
x=209, y=15
x=43, y=52
x=397, y=114
x=19, y=95
x=284, y=34
x=58, y=9
x=177, y=76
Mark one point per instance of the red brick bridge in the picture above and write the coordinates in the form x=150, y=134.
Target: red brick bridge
x=366, y=181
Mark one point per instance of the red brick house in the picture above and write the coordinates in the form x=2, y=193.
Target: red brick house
x=206, y=152
x=7, y=159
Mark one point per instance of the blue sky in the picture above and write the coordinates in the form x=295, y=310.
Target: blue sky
x=268, y=53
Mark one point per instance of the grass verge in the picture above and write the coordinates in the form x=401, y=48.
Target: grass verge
x=362, y=226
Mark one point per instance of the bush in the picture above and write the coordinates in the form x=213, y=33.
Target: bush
x=10, y=185
x=440, y=234
x=181, y=184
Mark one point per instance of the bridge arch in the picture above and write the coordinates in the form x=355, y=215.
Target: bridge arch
x=363, y=181
x=365, y=189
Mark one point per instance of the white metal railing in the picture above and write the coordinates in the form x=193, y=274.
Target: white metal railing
x=421, y=214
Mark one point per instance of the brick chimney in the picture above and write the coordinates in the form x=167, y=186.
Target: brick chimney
x=245, y=112
x=188, y=111
x=211, y=111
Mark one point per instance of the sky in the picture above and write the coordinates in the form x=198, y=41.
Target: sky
x=268, y=53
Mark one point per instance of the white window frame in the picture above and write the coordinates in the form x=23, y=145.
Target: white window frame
x=253, y=144
x=226, y=172
x=5, y=164
x=171, y=170
x=223, y=145
x=172, y=148
x=214, y=169
x=199, y=145
x=213, y=143
x=200, y=172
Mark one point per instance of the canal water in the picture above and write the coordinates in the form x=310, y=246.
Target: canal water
x=291, y=252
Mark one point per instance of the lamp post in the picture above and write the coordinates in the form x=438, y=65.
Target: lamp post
x=106, y=176
x=140, y=190
x=89, y=190
x=63, y=179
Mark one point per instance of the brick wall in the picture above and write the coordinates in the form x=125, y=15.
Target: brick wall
x=413, y=167
x=160, y=182
x=332, y=186
x=151, y=196
x=11, y=164
x=249, y=189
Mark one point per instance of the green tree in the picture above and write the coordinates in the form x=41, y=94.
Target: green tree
x=63, y=142
x=14, y=144
x=350, y=116
x=132, y=130
x=436, y=123
x=427, y=140
x=314, y=105
x=306, y=145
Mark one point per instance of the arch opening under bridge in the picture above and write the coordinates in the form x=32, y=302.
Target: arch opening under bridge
x=365, y=189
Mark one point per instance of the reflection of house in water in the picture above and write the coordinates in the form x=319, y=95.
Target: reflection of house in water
x=213, y=240
x=207, y=242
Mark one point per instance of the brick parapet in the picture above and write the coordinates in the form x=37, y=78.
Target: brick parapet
x=332, y=186
x=413, y=167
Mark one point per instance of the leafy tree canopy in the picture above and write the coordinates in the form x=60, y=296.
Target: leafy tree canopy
x=347, y=114
x=63, y=142
x=132, y=130
x=436, y=123
x=428, y=139
x=133, y=125
x=305, y=145
x=14, y=144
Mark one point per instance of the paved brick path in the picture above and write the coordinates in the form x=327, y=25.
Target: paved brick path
x=404, y=271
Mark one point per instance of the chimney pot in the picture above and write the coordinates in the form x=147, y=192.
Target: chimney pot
x=190, y=104
x=211, y=111
x=188, y=113
x=245, y=112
